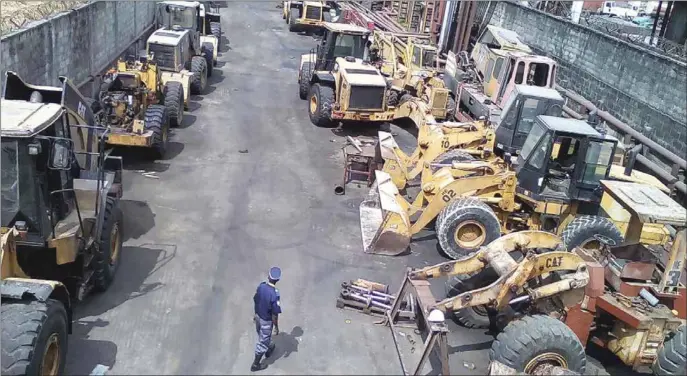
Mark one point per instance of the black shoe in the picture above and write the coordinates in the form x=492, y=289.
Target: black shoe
x=270, y=351
x=257, y=366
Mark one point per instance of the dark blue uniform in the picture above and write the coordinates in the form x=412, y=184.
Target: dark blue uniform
x=266, y=302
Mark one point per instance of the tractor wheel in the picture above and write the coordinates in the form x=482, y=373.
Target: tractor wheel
x=471, y=317
x=405, y=98
x=581, y=231
x=287, y=18
x=672, y=356
x=293, y=26
x=106, y=260
x=208, y=51
x=304, y=81
x=157, y=121
x=450, y=156
x=534, y=341
x=34, y=337
x=174, y=102
x=451, y=107
x=392, y=99
x=465, y=225
x=320, y=105
x=200, y=74
x=216, y=30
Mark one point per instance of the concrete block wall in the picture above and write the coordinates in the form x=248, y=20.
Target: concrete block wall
x=75, y=43
x=638, y=86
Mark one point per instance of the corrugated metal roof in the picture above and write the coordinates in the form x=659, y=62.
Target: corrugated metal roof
x=26, y=119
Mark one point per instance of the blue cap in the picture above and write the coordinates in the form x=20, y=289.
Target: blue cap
x=275, y=273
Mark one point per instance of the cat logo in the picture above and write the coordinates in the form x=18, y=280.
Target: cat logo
x=554, y=262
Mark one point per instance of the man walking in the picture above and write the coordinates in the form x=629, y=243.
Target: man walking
x=267, y=310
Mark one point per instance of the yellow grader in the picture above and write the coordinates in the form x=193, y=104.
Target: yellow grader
x=338, y=84
x=410, y=61
x=553, y=185
x=61, y=221
x=137, y=107
x=547, y=303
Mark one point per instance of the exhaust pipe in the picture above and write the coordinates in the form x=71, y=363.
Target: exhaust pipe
x=339, y=189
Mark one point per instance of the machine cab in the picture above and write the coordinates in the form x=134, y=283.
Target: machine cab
x=179, y=14
x=341, y=40
x=564, y=160
x=423, y=56
x=520, y=112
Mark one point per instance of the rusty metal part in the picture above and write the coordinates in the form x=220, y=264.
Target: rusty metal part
x=369, y=300
x=499, y=369
x=366, y=291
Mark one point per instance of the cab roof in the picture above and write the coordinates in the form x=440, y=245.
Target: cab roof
x=539, y=92
x=167, y=36
x=188, y=4
x=26, y=119
x=507, y=39
x=568, y=125
x=345, y=28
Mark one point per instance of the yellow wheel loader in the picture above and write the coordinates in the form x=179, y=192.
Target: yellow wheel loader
x=410, y=61
x=441, y=144
x=308, y=15
x=61, y=221
x=552, y=186
x=139, y=110
x=338, y=83
x=177, y=46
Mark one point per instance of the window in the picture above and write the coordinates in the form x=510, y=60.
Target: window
x=528, y=114
x=497, y=68
x=510, y=112
x=417, y=56
x=490, y=67
x=538, y=74
x=520, y=73
x=10, y=181
x=349, y=45
x=539, y=155
x=429, y=58
x=597, y=161
x=531, y=141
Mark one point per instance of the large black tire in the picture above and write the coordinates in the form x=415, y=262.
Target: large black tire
x=157, y=121
x=672, y=356
x=471, y=317
x=304, y=81
x=580, y=232
x=392, y=99
x=451, y=107
x=320, y=105
x=208, y=51
x=29, y=328
x=524, y=340
x=450, y=156
x=293, y=26
x=106, y=260
x=174, y=102
x=200, y=75
x=216, y=30
x=470, y=220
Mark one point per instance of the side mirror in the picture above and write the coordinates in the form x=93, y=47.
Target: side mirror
x=61, y=154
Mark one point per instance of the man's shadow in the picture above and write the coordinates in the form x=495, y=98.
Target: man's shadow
x=285, y=344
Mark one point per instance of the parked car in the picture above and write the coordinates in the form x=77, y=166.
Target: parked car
x=618, y=9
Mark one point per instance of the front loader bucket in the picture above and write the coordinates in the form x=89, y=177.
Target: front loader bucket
x=384, y=221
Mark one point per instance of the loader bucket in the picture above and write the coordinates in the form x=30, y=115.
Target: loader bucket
x=384, y=221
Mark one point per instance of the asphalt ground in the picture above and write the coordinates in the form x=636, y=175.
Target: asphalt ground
x=248, y=184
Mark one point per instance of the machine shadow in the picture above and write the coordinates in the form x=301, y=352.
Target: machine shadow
x=85, y=354
x=139, y=219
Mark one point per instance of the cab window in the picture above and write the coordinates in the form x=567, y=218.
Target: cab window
x=520, y=73
x=597, y=161
x=538, y=74
x=490, y=67
x=349, y=45
x=528, y=114
x=428, y=58
x=417, y=56
x=540, y=153
x=532, y=140
x=497, y=68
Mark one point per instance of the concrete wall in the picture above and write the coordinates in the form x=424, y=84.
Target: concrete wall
x=75, y=43
x=640, y=87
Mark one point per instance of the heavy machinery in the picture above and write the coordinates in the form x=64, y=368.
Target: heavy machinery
x=410, y=60
x=338, y=82
x=176, y=46
x=136, y=106
x=441, y=144
x=553, y=185
x=210, y=28
x=61, y=222
x=484, y=81
x=547, y=303
x=308, y=15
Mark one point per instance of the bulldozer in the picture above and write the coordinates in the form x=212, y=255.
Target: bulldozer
x=136, y=106
x=552, y=185
x=410, y=60
x=308, y=15
x=442, y=144
x=484, y=81
x=61, y=221
x=634, y=302
x=339, y=83
x=176, y=46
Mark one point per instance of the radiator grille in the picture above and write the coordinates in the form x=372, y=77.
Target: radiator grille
x=366, y=98
x=313, y=13
x=163, y=55
x=439, y=99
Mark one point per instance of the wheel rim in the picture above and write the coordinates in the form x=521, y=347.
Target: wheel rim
x=470, y=234
x=545, y=360
x=313, y=104
x=51, y=356
x=114, y=244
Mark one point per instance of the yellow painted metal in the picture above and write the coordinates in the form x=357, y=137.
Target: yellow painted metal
x=8, y=257
x=209, y=38
x=183, y=77
x=130, y=139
